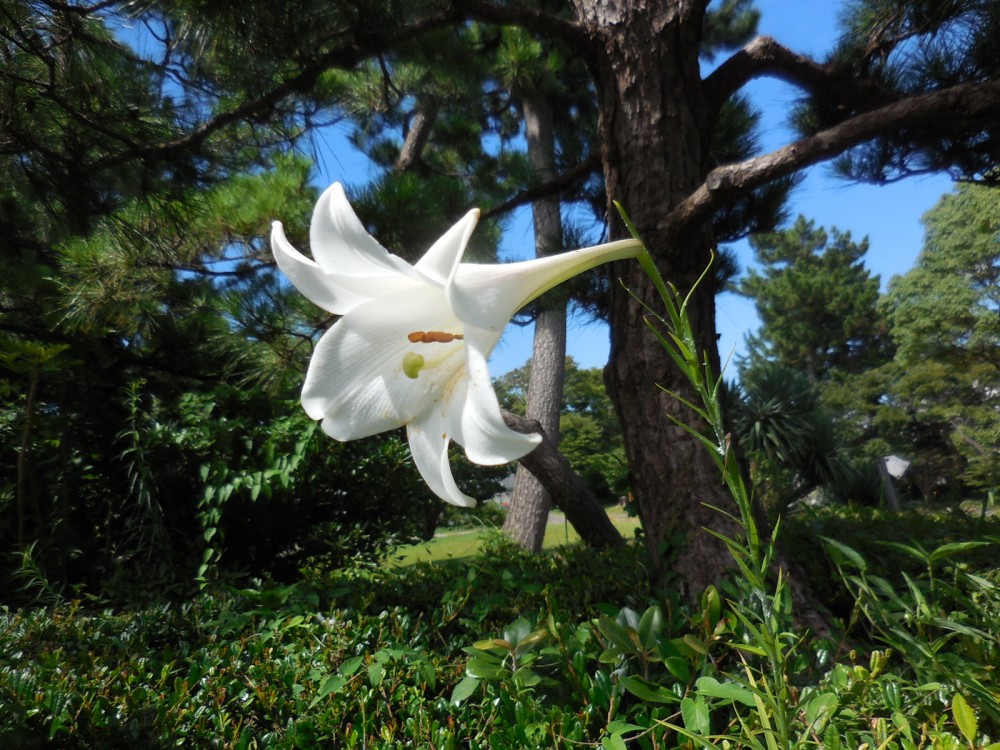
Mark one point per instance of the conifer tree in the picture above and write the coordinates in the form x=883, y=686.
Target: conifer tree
x=941, y=403
x=816, y=301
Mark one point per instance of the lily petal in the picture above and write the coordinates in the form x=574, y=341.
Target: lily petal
x=429, y=447
x=335, y=293
x=486, y=296
x=478, y=425
x=441, y=260
x=356, y=382
x=341, y=244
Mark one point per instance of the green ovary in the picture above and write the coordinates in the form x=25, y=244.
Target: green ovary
x=413, y=363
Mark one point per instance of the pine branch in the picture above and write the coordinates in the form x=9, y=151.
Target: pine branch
x=345, y=57
x=766, y=57
x=420, y=126
x=531, y=19
x=556, y=185
x=958, y=109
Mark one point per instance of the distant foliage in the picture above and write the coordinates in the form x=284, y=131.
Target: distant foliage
x=589, y=434
x=944, y=391
x=912, y=372
x=816, y=301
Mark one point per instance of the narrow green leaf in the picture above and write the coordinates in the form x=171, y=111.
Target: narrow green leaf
x=845, y=552
x=620, y=727
x=947, y=550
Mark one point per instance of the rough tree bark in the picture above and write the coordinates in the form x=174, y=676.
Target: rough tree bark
x=656, y=133
x=656, y=120
x=530, y=502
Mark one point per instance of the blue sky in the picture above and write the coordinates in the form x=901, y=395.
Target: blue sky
x=889, y=215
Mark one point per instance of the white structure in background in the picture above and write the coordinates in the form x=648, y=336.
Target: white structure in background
x=896, y=466
x=890, y=468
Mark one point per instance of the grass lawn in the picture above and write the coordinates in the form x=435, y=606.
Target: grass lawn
x=464, y=542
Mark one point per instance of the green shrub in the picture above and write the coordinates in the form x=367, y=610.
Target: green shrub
x=368, y=659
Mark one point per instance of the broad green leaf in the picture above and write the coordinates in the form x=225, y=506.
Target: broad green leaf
x=650, y=626
x=464, y=689
x=727, y=691
x=648, y=691
x=350, y=666
x=484, y=669
x=902, y=724
x=678, y=667
x=711, y=605
x=334, y=683
x=517, y=630
x=526, y=678
x=531, y=639
x=696, y=644
x=831, y=739
x=616, y=633
x=820, y=709
x=965, y=717
x=696, y=716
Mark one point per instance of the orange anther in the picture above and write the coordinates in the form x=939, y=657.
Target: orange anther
x=433, y=337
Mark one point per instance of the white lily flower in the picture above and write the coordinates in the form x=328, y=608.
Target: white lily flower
x=412, y=343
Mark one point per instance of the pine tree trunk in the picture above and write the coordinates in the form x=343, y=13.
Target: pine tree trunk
x=530, y=503
x=655, y=134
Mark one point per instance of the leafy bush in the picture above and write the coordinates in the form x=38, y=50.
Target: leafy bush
x=361, y=660
x=874, y=533
x=486, y=514
x=509, y=650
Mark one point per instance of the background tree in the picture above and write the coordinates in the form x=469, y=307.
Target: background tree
x=531, y=72
x=149, y=354
x=944, y=389
x=592, y=437
x=786, y=432
x=816, y=301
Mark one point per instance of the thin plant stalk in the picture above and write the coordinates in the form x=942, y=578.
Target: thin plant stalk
x=751, y=554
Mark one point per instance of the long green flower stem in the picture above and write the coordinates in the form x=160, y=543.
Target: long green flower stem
x=752, y=555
